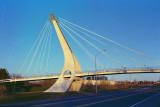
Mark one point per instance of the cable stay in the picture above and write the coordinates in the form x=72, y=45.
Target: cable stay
x=109, y=47
x=19, y=72
x=111, y=41
x=42, y=49
x=82, y=47
x=36, y=50
x=114, y=60
x=40, y=54
x=49, y=50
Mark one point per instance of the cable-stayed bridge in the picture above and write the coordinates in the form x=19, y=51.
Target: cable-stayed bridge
x=72, y=68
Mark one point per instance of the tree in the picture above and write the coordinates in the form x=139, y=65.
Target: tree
x=4, y=74
x=15, y=76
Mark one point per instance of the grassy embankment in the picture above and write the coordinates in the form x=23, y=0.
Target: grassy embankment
x=31, y=96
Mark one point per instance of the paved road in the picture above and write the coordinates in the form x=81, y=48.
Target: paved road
x=138, y=97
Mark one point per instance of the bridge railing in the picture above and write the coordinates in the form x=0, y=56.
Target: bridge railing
x=127, y=69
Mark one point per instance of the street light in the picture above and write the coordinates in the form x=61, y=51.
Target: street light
x=96, y=69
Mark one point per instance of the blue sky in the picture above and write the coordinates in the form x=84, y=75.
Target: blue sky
x=133, y=23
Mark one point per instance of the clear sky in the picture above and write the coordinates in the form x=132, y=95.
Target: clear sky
x=133, y=23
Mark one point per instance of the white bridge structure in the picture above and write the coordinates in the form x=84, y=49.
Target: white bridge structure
x=81, y=75
x=73, y=80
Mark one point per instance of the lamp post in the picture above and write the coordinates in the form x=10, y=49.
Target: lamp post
x=96, y=69
x=130, y=81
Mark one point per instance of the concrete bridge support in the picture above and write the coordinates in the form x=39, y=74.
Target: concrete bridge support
x=71, y=65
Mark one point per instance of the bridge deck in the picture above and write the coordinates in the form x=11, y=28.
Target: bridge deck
x=81, y=75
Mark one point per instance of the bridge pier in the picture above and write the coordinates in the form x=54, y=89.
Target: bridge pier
x=71, y=65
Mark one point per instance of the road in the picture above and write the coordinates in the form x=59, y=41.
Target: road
x=137, y=97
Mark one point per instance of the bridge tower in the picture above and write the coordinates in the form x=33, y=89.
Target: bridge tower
x=71, y=65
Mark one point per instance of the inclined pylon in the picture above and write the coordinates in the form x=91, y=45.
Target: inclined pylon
x=71, y=65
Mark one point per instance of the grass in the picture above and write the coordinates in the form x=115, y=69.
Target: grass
x=31, y=96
